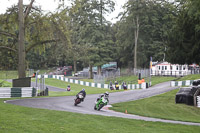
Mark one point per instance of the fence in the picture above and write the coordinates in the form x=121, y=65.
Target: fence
x=131, y=71
x=174, y=73
x=42, y=89
x=105, y=75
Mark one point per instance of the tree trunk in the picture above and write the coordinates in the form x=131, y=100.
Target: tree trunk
x=21, y=47
x=136, y=42
x=90, y=71
x=98, y=70
x=75, y=66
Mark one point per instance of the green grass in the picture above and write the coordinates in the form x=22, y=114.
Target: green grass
x=161, y=106
x=13, y=74
x=88, y=80
x=20, y=119
x=160, y=79
x=190, y=77
x=8, y=74
x=75, y=88
x=134, y=79
x=4, y=83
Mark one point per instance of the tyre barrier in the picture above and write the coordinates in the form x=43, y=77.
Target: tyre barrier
x=6, y=92
x=185, y=83
x=181, y=83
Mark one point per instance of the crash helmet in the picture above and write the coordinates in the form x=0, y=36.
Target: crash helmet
x=106, y=94
x=83, y=89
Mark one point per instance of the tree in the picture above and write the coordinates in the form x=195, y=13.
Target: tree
x=142, y=31
x=39, y=31
x=184, y=44
x=90, y=29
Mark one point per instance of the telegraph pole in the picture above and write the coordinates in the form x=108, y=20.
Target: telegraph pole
x=150, y=70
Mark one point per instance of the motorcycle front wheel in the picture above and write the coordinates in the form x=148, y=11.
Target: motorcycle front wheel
x=100, y=106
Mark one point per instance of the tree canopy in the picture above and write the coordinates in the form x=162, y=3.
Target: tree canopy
x=81, y=34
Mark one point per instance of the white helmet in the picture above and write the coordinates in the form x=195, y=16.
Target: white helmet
x=106, y=94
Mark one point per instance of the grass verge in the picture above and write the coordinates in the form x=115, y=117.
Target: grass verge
x=190, y=77
x=162, y=106
x=20, y=119
x=75, y=88
x=4, y=83
x=134, y=79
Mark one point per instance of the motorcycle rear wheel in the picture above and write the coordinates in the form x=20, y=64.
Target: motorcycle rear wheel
x=77, y=101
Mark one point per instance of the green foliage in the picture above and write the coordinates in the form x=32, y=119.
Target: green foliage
x=155, y=19
x=4, y=83
x=184, y=44
x=91, y=31
x=161, y=106
x=41, y=31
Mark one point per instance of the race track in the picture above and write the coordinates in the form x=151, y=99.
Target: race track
x=66, y=103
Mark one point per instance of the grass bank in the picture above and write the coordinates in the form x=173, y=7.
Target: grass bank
x=162, y=106
x=23, y=119
x=4, y=83
x=189, y=77
x=75, y=88
x=134, y=79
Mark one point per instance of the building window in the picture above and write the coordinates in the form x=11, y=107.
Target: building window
x=183, y=67
x=162, y=67
x=165, y=67
x=180, y=67
x=159, y=67
x=176, y=67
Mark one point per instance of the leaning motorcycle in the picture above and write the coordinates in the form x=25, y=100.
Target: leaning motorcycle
x=100, y=103
x=78, y=99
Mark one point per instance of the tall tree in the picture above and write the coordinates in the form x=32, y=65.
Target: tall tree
x=90, y=29
x=142, y=31
x=184, y=44
x=39, y=30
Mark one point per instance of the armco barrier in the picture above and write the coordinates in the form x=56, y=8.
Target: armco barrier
x=98, y=85
x=6, y=92
x=181, y=83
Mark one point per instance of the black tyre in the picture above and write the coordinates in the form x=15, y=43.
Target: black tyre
x=100, y=106
x=95, y=107
x=77, y=101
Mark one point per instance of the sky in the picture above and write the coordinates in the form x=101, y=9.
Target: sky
x=51, y=5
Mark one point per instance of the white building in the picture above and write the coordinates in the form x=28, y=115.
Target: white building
x=167, y=69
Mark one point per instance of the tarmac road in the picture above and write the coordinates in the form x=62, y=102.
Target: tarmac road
x=66, y=103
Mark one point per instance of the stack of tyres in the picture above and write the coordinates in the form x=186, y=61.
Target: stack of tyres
x=186, y=95
x=196, y=82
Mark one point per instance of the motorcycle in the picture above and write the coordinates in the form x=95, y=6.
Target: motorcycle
x=78, y=99
x=68, y=88
x=100, y=103
x=125, y=87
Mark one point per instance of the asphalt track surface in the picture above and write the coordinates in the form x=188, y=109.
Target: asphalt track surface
x=66, y=103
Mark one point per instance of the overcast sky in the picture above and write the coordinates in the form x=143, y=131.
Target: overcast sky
x=51, y=5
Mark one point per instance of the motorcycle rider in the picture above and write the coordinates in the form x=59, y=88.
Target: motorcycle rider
x=105, y=95
x=84, y=94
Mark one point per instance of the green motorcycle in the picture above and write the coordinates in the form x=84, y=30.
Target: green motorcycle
x=100, y=103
